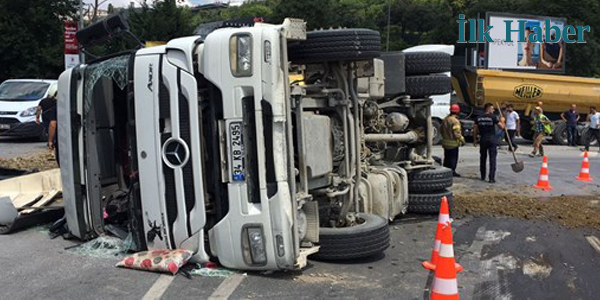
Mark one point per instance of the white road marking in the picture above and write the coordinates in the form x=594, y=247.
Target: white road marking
x=595, y=242
x=159, y=287
x=227, y=287
x=486, y=271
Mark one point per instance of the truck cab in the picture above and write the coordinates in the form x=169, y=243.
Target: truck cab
x=174, y=130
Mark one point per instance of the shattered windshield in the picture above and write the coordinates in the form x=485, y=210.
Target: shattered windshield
x=115, y=68
x=22, y=90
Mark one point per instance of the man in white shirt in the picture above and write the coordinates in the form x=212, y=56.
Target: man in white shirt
x=594, y=132
x=513, y=125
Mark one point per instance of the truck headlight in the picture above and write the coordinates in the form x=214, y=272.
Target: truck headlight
x=253, y=244
x=29, y=112
x=240, y=55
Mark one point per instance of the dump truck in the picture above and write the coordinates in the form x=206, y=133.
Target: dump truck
x=206, y=144
x=477, y=86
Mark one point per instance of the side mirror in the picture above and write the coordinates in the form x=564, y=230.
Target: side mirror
x=103, y=30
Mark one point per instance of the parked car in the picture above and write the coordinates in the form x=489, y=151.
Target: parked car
x=19, y=99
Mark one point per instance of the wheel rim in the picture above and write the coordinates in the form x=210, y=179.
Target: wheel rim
x=564, y=137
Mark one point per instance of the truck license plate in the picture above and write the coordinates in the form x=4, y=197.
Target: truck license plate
x=4, y=126
x=236, y=146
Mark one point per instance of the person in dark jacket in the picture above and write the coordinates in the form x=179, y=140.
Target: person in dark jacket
x=484, y=134
x=47, y=110
x=571, y=117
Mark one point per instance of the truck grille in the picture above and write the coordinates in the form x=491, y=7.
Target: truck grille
x=174, y=197
x=170, y=195
x=188, y=172
x=251, y=159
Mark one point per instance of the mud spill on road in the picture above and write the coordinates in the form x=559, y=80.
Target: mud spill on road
x=41, y=161
x=569, y=211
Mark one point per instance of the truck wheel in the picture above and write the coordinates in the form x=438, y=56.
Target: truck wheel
x=584, y=136
x=424, y=86
x=336, y=45
x=370, y=237
x=43, y=137
x=423, y=63
x=429, y=180
x=559, y=135
x=437, y=134
x=526, y=130
x=428, y=203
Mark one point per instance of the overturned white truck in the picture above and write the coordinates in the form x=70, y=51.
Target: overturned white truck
x=206, y=144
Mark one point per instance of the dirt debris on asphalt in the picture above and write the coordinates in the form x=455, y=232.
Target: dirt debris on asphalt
x=42, y=161
x=568, y=211
x=346, y=281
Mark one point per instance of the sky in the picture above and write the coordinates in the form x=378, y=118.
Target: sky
x=120, y=3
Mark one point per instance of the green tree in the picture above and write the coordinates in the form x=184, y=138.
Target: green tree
x=316, y=13
x=31, y=37
x=251, y=9
x=161, y=21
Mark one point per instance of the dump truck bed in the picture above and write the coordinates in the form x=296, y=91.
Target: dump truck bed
x=524, y=90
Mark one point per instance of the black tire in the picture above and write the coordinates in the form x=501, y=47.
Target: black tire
x=43, y=137
x=336, y=45
x=423, y=63
x=362, y=240
x=559, y=135
x=526, y=129
x=424, y=86
x=437, y=134
x=428, y=203
x=431, y=180
x=584, y=135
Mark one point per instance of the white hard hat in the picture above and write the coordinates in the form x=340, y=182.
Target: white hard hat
x=53, y=90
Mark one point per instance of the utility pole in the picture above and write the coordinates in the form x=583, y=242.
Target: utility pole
x=387, y=44
x=80, y=26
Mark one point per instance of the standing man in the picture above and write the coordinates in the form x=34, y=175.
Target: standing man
x=571, y=117
x=452, y=138
x=594, y=119
x=484, y=133
x=513, y=126
x=47, y=110
x=541, y=127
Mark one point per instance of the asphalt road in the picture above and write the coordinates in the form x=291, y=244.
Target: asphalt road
x=12, y=147
x=503, y=258
x=564, y=164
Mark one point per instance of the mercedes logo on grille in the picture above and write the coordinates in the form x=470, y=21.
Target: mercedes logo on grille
x=175, y=153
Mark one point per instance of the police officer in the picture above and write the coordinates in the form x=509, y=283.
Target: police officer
x=452, y=138
x=484, y=134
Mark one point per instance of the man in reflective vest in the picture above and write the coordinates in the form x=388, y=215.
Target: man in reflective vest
x=452, y=138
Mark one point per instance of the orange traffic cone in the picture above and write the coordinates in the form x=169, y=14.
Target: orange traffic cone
x=543, y=182
x=445, y=285
x=443, y=219
x=584, y=174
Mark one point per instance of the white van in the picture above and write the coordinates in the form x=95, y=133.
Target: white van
x=19, y=99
